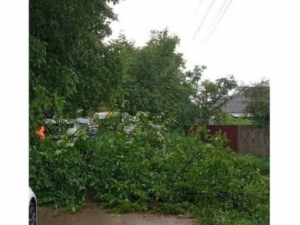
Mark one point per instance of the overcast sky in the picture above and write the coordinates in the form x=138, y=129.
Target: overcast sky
x=243, y=43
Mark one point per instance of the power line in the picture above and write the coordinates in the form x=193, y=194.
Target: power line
x=197, y=10
x=218, y=22
x=210, y=6
x=218, y=13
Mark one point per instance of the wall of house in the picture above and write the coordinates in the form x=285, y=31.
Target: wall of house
x=252, y=140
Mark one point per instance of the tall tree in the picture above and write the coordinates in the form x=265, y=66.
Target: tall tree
x=157, y=83
x=66, y=50
x=69, y=65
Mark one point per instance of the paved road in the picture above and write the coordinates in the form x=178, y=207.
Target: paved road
x=48, y=216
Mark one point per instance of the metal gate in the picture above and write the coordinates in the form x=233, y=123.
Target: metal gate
x=231, y=132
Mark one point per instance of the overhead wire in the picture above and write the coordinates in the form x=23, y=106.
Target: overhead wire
x=219, y=13
x=197, y=10
x=218, y=22
x=210, y=6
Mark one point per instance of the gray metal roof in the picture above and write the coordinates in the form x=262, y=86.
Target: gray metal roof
x=236, y=104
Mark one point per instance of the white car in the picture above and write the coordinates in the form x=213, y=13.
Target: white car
x=32, y=208
x=79, y=123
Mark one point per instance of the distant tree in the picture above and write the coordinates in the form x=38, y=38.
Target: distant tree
x=212, y=96
x=258, y=102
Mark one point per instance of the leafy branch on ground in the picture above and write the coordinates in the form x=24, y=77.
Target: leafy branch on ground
x=133, y=172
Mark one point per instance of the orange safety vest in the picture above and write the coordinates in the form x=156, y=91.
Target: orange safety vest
x=41, y=132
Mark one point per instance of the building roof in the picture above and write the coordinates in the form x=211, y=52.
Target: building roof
x=236, y=104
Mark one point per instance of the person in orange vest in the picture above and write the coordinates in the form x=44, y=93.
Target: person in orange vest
x=41, y=132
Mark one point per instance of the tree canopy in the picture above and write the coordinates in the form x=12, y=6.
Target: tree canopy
x=72, y=68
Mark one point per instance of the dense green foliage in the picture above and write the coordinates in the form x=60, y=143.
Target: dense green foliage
x=73, y=72
x=158, y=84
x=72, y=68
x=226, y=119
x=134, y=171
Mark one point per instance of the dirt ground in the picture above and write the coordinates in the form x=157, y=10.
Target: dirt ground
x=48, y=216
